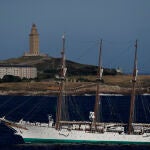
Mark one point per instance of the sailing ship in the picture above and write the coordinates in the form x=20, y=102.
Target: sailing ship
x=92, y=131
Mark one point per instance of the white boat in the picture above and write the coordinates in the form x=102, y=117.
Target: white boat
x=80, y=131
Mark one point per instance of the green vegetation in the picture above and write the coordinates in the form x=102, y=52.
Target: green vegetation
x=11, y=78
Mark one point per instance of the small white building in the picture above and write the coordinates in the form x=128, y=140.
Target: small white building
x=23, y=71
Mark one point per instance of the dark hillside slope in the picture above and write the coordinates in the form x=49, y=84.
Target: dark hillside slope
x=48, y=66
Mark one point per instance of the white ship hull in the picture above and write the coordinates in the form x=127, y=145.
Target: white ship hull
x=45, y=134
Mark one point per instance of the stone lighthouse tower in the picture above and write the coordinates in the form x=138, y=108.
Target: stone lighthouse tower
x=34, y=41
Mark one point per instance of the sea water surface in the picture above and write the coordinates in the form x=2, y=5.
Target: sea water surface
x=113, y=108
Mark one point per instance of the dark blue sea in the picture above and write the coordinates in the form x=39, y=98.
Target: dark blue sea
x=36, y=108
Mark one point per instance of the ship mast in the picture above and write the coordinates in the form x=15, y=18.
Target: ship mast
x=62, y=79
x=99, y=79
x=132, y=103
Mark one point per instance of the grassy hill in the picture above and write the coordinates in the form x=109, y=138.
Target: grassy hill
x=48, y=66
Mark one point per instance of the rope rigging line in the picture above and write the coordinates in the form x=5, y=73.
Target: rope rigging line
x=85, y=52
x=120, y=54
x=135, y=112
x=6, y=102
x=148, y=107
x=111, y=42
x=35, y=110
x=65, y=111
x=30, y=113
x=112, y=109
x=144, y=107
x=100, y=110
x=76, y=106
x=11, y=111
x=118, y=57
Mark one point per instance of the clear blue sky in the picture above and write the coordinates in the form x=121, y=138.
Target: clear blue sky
x=85, y=22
